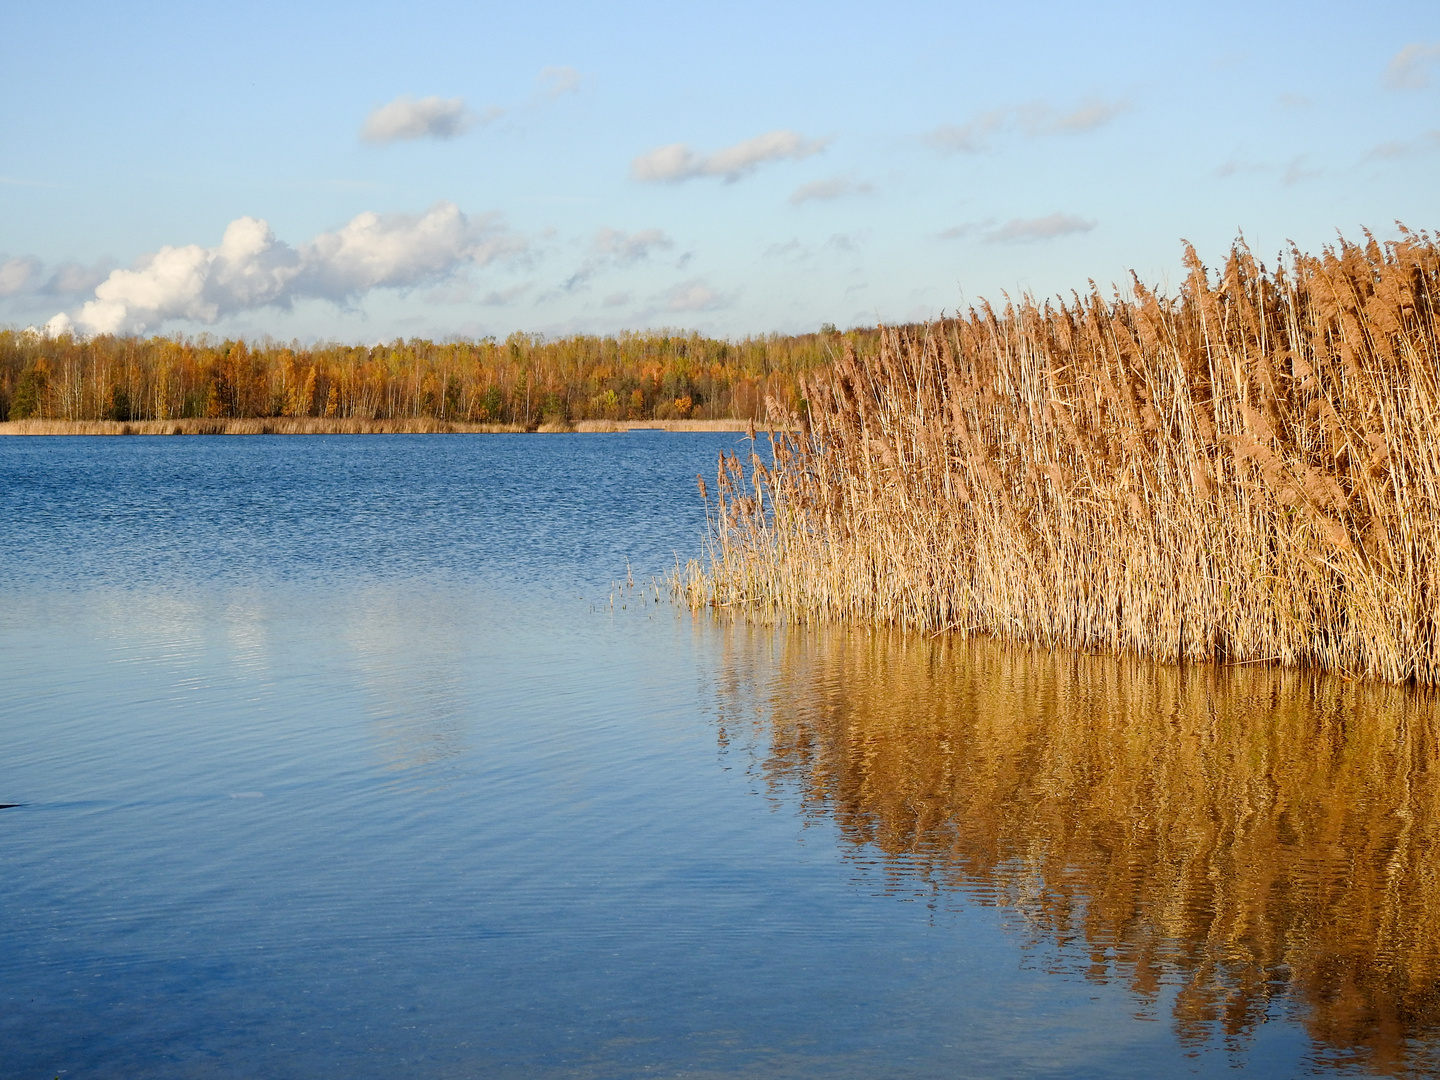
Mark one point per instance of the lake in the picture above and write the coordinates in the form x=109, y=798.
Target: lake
x=359, y=757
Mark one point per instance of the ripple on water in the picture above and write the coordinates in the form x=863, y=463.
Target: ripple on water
x=334, y=760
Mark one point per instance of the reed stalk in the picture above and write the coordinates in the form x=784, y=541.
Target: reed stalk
x=1244, y=472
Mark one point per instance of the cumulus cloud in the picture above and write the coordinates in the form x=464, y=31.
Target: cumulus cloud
x=422, y=118
x=18, y=274
x=1028, y=230
x=1033, y=119
x=825, y=190
x=615, y=248
x=251, y=268
x=58, y=326
x=677, y=162
x=1409, y=68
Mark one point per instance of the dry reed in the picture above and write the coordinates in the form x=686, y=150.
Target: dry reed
x=1244, y=472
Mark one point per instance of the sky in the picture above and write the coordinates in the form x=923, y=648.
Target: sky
x=359, y=172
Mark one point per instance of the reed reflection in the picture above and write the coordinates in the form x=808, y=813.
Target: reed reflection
x=1239, y=844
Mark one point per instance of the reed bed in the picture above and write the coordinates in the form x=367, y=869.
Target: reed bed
x=1244, y=472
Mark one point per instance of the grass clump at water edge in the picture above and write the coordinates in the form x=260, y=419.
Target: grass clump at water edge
x=1245, y=472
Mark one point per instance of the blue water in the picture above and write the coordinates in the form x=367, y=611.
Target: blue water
x=348, y=757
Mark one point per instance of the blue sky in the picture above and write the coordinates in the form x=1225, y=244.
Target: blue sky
x=361, y=172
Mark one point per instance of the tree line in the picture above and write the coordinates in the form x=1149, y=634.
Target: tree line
x=525, y=380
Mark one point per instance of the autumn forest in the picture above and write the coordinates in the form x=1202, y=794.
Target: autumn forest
x=526, y=381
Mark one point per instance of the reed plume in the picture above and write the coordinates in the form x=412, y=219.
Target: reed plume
x=1243, y=472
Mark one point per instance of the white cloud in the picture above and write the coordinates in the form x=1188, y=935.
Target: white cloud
x=399, y=250
x=429, y=117
x=58, y=326
x=556, y=82
x=673, y=162
x=693, y=295
x=1027, y=230
x=677, y=162
x=614, y=248
x=17, y=274
x=1408, y=69
x=619, y=299
x=968, y=138
x=630, y=247
x=824, y=190
x=251, y=268
x=1033, y=118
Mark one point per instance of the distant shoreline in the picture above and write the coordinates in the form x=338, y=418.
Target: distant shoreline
x=311, y=425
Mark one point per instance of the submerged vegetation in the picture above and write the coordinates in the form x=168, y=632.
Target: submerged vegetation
x=1247, y=471
x=525, y=381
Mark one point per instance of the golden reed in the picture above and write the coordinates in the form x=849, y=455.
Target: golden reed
x=1244, y=472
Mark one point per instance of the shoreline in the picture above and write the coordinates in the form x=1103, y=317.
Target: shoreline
x=312, y=425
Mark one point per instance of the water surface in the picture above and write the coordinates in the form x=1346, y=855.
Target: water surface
x=345, y=756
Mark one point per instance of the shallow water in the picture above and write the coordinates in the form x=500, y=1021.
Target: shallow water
x=344, y=756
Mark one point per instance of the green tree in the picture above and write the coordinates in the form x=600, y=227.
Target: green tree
x=29, y=397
